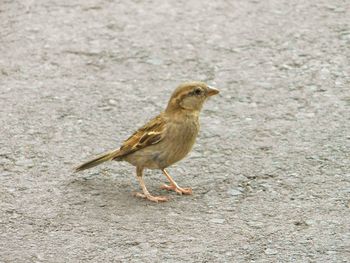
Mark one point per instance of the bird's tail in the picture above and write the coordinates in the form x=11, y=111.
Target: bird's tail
x=98, y=160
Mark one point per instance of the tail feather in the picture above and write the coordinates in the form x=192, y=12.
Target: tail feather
x=98, y=160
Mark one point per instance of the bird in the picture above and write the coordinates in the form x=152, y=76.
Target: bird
x=164, y=140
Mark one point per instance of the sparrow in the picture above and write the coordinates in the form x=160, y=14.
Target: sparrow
x=164, y=140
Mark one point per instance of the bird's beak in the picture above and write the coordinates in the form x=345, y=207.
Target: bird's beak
x=212, y=91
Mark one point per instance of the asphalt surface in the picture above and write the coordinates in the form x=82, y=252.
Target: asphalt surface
x=270, y=170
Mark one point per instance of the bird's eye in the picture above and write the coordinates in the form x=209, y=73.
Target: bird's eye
x=197, y=91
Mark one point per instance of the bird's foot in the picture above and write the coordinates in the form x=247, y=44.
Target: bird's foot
x=153, y=198
x=179, y=190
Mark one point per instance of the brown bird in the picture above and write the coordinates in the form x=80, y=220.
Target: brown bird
x=164, y=140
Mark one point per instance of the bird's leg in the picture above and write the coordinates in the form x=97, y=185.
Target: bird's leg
x=173, y=185
x=146, y=194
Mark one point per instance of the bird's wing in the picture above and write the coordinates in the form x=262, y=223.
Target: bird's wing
x=149, y=134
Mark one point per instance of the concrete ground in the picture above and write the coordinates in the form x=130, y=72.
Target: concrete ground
x=271, y=167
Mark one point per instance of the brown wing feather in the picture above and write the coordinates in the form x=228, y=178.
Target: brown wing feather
x=149, y=134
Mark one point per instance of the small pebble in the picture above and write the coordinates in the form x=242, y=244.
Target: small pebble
x=25, y=162
x=217, y=220
x=271, y=251
x=234, y=192
x=112, y=102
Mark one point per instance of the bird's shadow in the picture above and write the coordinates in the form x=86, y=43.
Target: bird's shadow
x=113, y=193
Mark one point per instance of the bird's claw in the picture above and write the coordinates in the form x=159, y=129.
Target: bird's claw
x=152, y=198
x=179, y=190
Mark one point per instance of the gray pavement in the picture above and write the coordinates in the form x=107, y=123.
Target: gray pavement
x=270, y=170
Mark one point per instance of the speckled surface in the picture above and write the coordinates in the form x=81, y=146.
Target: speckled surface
x=270, y=170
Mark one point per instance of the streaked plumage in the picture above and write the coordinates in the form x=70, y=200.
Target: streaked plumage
x=165, y=139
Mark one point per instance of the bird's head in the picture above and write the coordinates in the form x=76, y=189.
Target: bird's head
x=190, y=97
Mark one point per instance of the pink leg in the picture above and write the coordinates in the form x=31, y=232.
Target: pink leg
x=174, y=187
x=145, y=193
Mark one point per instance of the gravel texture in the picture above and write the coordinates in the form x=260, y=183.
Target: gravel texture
x=271, y=167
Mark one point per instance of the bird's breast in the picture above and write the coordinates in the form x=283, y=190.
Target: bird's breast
x=180, y=140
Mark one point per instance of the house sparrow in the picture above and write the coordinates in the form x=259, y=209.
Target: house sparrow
x=164, y=140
